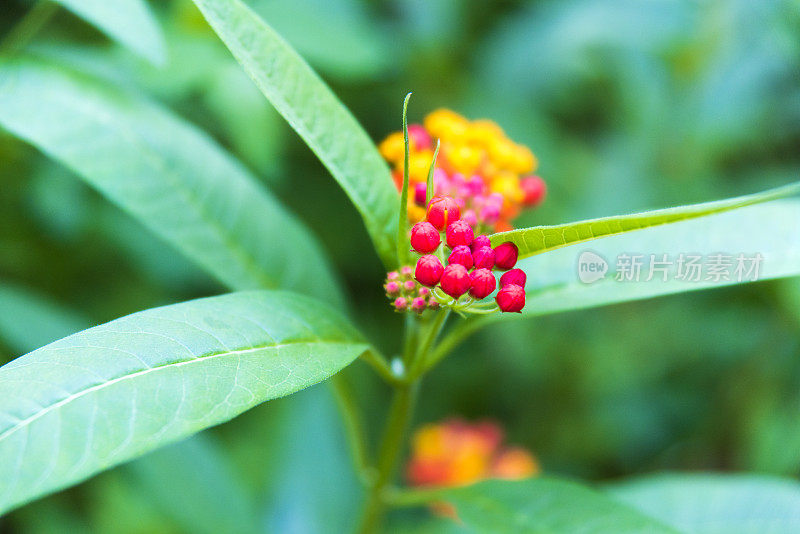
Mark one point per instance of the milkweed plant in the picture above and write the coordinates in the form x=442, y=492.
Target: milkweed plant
x=439, y=201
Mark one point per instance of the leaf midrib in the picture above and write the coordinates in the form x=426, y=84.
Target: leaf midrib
x=97, y=387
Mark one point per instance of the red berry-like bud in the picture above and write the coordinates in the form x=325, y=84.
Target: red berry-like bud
x=442, y=211
x=482, y=283
x=424, y=237
x=459, y=233
x=424, y=292
x=420, y=192
x=535, y=190
x=409, y=285
x=429, y=270
x=394, y=275
x=480, y=242
x=455, y=280
x=514, y=277
x=418, y=304
x=462, y=256
x=392, y=288
x=511, y=298
x=405, y=270
x=505, y=256
x=400, y=303
x=483, y=258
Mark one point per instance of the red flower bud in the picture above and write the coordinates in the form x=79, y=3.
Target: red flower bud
x=535, y=190
x=409, y=285
x=394, y=275
x=400, y=303
x=405, y=270
x=418, y=304
x=480, y=242
x=459, y=233
x=424, y=237
x=420, y=192
x=419, y=137
x=482, y=283
x=462, y=256
x=514, y=277
x=429, y=270
x=442, y=211
x=505, y=256
x=511, y=298
x=455, y=280
x=483, y=258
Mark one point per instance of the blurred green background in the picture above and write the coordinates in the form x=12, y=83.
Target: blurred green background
x=628, y=105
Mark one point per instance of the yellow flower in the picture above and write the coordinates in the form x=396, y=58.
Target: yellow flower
x=445, y=124
x=393, y=148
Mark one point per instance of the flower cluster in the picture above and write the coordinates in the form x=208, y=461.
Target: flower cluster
x=456, y=453
x=406, y=294
x=487, y=174
x=468, y=273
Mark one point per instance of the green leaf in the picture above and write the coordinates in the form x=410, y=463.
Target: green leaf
x=767, y=229
x=173, y=178
x=539, y=505
x=192, y=482
x=402, y=219
x=541, y=239
x=111, y=393
x=716, y=503
x=130, y=22
x=316, y=115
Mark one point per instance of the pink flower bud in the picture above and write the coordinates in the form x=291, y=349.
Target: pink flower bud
x=392, y=288
x=514, y=277
x=433, y=304
x=482, y=283
x=400, y=303
x=424, y=237
x=483, y=258
x=462, y=256
x=420, y=192
x=406, y=270
x=455, y=280
x=535, y=190
x=418, y=304
x=418, y=137
x=505, y=256
x=409, y=285
x=429, y=270
x=459, y=233
x=442, y=211
x=394, y=275
x=511, y=298
x=480, y=242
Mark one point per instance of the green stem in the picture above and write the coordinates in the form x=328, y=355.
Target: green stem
x=33, y=21
x=354, y=429
x=458, y=334
x=381, y=366
x=435, y=328
x=391, y=445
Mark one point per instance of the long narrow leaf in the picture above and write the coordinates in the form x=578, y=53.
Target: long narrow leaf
x=111, y=393
x=315, y=113
x=540, y=239
x=173, y=178
x=130, y=22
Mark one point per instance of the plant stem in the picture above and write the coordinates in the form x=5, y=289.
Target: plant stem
x=451, y=341
x=353, y=426
x=381, y=366
x=400, y=413
x=33, y=21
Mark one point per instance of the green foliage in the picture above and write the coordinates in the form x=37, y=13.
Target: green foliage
x=172, y=177
x=541, y=239
x=315, y=113
x=539, y=506
x=65, y=417
x=715, y=503
x=128, y=21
